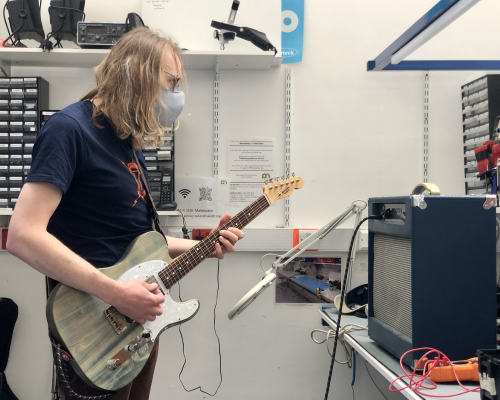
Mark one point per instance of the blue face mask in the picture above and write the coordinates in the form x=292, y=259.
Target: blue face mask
x=174, y=102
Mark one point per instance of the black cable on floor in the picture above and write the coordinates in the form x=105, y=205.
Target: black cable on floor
x=374, y=382
x=218, y=340
x=346, y=273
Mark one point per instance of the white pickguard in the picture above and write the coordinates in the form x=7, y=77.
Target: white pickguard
x=174, y=313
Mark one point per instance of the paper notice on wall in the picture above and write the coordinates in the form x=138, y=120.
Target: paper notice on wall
x=250, y=162
x=203, y=201
x=154, y=5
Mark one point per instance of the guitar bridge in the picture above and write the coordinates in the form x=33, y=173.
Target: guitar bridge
x=118, y=321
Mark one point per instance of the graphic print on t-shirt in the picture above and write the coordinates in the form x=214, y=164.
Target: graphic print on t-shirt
x=136, y=173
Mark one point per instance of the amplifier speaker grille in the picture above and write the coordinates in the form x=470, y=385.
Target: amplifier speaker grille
x=392, y=282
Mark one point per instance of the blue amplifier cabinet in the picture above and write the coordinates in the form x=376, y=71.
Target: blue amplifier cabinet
x=432, y=275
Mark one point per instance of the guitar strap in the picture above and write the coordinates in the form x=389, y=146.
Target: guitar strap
x=149, y=199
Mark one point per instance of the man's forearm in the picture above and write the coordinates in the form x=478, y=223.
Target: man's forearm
x=178, y=246
x=46, y=254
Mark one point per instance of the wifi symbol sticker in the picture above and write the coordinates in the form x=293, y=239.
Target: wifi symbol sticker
x=184, y=192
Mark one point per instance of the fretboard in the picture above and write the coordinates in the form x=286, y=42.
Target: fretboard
x=179, y=268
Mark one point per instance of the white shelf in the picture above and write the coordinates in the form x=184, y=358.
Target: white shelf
x=160, y=213
x=8, y=211
x=88, y=58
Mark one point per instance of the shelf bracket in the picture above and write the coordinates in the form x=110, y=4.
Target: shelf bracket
x=288, y=132
x=444, y=13
x=216, y=120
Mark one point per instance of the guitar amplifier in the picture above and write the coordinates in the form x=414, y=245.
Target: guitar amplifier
x=99, y=35
x=432, y=275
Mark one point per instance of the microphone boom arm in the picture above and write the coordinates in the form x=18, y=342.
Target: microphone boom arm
x=270, y=275
x=353, y=209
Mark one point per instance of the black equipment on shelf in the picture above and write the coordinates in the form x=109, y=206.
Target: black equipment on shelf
x=94, y=35
x=64, y=17
x=45, y=115
x=99, y=36
x=161, y=172
x=259, y=39
x=167, y=190
x=21, y=102
x=25, y=21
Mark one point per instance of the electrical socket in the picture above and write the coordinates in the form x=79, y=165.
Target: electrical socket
x=200, y=232
x=363, y=240
x=300, y=235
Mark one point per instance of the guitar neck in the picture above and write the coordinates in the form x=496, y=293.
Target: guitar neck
x=179, y=268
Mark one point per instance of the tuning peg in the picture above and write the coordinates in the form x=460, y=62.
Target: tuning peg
x=277, y=179
x=293, y=174
x=283, y=177
x=287, y=176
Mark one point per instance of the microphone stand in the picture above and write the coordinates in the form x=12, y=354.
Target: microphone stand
x=354, y=209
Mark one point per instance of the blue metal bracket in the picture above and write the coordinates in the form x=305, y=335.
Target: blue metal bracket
x=383, y=60
x=444, y=65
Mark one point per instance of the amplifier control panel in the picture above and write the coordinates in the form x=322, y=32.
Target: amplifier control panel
x=99, y=35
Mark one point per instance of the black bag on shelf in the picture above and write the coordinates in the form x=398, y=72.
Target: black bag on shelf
x=8, y=318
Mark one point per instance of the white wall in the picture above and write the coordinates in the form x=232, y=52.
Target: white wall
x=355, y=135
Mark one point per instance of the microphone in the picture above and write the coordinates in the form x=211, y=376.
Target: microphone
x=234, y=10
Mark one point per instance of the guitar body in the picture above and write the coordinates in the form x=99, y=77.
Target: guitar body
x=107, y=349
x=78, y=321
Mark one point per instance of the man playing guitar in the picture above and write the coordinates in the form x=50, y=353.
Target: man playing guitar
x=84, y=200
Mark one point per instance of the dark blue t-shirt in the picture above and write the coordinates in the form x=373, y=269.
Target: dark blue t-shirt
x=103, y=207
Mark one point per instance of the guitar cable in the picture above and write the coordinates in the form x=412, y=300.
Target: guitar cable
x=346, y=273
x=184, y=227
x=218, y=341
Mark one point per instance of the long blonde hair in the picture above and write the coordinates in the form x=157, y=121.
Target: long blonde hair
x=128, y=86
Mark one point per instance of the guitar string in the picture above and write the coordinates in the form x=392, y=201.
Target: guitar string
x=256, y=208
x=192, y=261
x=206, y=247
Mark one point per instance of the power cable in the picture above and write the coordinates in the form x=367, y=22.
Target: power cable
x=348, y=264
x=13, y=33
x=6, y=24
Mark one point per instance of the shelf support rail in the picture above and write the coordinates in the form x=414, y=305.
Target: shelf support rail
x=288, y=132
x=216, y=119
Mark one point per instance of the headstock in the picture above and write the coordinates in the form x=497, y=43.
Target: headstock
x=276, y=189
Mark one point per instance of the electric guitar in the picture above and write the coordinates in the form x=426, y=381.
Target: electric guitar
x=108, y=349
